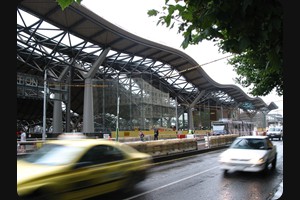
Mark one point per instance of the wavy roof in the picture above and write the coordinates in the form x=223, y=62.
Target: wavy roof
x=180, y=75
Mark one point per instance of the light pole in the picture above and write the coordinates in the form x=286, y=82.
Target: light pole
x=44, y=105
x=117, y=126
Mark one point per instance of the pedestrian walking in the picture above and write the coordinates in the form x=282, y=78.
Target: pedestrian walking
x=23, y=139
x=156, y=133
x=142, y=135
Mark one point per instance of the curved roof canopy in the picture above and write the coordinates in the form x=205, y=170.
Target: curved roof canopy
x=49, y=38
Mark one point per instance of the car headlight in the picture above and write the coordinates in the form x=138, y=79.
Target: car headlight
x=258, y=161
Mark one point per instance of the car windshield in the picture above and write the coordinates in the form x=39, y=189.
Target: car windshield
x=248, y=143
x=53, y=154
x=218, y=127
x=275, y=129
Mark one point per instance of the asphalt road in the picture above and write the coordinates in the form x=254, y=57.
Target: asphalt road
x=199, y=177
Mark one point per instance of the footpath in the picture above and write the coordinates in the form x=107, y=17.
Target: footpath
x=278, y=192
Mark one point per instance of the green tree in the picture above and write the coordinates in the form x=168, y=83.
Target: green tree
x=65, y=3
x=249, y=29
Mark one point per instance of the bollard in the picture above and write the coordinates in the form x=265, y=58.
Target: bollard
x=207, y=141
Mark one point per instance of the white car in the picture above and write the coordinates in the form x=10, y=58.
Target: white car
x=250, y=154
x=275, y=132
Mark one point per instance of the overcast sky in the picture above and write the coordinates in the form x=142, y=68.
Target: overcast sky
x=131, y=15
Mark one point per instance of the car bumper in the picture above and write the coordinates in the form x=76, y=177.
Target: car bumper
x=242, y=167
x=274, y=136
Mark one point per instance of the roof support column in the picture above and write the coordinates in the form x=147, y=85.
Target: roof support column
x=265, y=124
x=233, y=112
x=57, y=107
x=191, y=108
x=176, y=112
x=88, y=106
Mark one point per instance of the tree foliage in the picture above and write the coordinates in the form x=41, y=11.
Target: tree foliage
x=249, y=29
x=65, y=3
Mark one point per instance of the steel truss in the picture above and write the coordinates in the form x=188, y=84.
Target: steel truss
x=148, y=87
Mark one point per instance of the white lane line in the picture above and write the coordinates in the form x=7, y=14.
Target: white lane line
x=172, y=183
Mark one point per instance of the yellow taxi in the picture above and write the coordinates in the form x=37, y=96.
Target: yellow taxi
x=80, y=168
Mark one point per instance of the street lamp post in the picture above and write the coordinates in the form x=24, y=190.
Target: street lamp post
x=117, y=126
x=44, y=105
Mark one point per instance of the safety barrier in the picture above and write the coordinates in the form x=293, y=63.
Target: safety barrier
x=28, y=146
x=153, y=147
x=165, y=147
x=221, y=140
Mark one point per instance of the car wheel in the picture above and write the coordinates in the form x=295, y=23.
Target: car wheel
x=266, y=168
x=130, y=183
x=274, y=162
x=225, y=172
x=45, y=194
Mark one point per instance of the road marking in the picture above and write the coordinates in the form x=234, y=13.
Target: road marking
x=172, y=183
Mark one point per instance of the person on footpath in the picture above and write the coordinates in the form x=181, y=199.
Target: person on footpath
x=156, y=134
x=141, y=134
x=23, y=139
